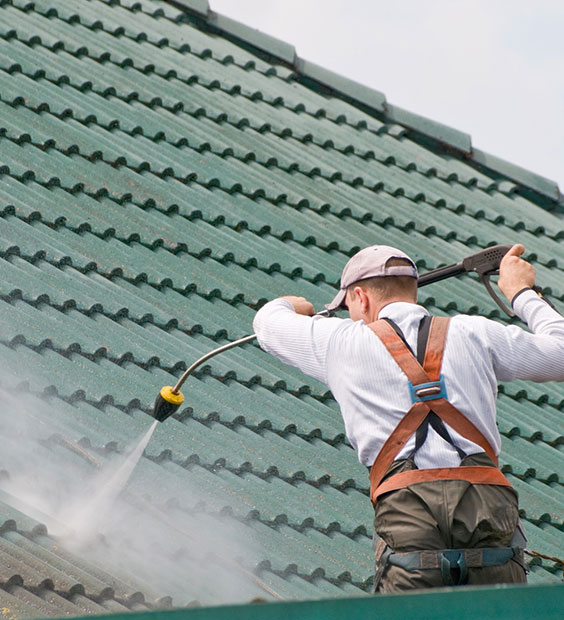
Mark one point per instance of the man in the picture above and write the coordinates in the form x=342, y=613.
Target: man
x=437, y=493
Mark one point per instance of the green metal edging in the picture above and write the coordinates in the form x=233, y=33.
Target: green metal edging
x=470, y=603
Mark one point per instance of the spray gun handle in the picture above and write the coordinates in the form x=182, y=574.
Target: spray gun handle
x=485, y=278
x=485, y=263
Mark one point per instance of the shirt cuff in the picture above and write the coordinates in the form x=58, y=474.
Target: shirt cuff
x=522, y=299
x=523, y=290
x=281, y=302
x=263, y=314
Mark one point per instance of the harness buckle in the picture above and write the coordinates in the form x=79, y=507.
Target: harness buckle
x=428, y=391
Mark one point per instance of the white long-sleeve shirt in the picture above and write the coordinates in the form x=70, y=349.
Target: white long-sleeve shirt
x=373, y=392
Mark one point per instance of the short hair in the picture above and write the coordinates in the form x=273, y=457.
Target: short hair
x=388, y=287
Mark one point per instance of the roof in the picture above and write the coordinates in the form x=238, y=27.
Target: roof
x=163, y=172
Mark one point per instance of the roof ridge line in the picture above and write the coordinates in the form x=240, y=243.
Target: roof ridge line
x=374, y=100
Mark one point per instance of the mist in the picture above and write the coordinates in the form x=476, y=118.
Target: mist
x=116, y=508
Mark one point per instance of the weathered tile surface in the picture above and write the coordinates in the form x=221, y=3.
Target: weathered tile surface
x=158, y=182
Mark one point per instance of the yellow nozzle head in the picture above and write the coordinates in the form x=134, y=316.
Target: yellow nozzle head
x=174, y=398
x=166, y=403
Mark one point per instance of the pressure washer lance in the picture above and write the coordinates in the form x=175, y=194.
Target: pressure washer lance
x=485, y=263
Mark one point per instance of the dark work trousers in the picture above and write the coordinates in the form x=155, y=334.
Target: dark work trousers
x=445, y=514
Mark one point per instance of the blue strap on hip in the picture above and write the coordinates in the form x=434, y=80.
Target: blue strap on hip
x=448, y=559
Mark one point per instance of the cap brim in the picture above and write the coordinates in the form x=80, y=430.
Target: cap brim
x=338, y=302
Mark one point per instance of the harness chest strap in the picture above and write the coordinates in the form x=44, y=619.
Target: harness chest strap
x=418, y=375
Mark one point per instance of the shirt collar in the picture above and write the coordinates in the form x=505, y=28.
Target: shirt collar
x=399, y=310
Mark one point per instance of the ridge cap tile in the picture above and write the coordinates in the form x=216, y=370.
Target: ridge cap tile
x=366, y=95
x=517, y=173
x=201, y=7
x=443, y=133
x=254, y=37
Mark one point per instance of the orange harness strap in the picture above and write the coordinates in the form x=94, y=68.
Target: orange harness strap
x=475, y=474
x=418, y=375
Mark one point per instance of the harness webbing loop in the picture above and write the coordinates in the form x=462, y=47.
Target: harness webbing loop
x=470, y=558
x=475, y=474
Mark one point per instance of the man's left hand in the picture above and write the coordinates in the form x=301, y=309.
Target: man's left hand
x=301, y=305
x=515, y=274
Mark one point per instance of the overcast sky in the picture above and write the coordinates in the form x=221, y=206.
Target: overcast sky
x=491, y=68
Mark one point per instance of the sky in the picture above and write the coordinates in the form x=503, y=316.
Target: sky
x=491, y=68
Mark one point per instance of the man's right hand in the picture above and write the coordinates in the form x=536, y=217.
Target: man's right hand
x=515, y=273
x=301, y=305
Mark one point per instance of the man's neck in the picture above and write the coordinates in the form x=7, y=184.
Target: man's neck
x=379, y=305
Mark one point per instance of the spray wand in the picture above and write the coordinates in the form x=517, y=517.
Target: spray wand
x=170, y=398
x=485, y=263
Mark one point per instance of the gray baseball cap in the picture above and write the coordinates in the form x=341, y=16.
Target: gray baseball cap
x=371, y=263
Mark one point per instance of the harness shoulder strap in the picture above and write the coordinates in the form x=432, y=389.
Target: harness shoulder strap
x=432, y=418
x=398, y=331
x=399, y=350
x=433, y=359
x=418, y=412
x=420, y=375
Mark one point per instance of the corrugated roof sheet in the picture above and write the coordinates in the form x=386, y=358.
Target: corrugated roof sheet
x=160, y=178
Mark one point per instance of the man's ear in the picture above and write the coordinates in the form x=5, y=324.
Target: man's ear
x=364, y=298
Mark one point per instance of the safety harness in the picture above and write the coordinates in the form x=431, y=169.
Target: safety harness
x=430, y=407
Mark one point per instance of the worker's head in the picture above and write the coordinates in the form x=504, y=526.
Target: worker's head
x=379, y=273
